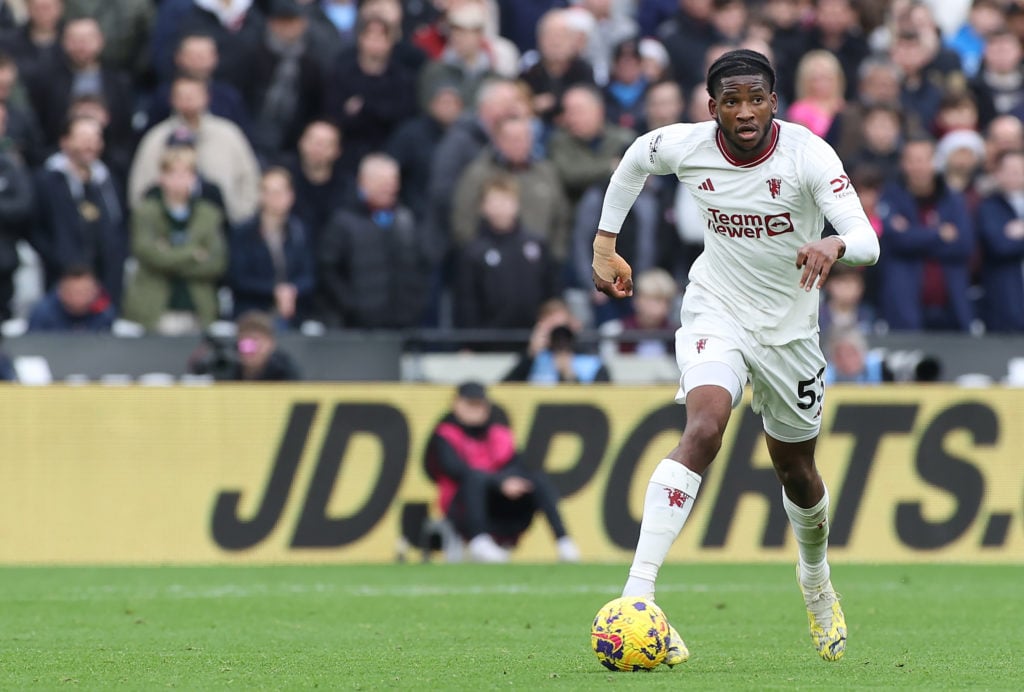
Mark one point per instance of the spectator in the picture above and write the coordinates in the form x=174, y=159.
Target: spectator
x=22, y=129
x=371, y=93
x=957, y=111
x=837, y=30
x=465, y=62
x=196, y=57
x=127, y=24
x=999, y=87
x=404, y=52
x=959, y=157
x=178, y=243
x=320, y=185
x=543, y=205
x=927, y=243
x=35, y=46
x=484, y=488
x=585, y=149
x=224, y=155
x=919, y=96
x=627, y=84
x=16, y=206
x=881, y=138
x=553, y=354
x=1001, y=228
x=254, y=357
x=79, y=73
x=336, y=19
x=654, y=60
x=431, y=33
x=371, y=268
x=79, y=219
x=687, y=36
x=462, y=142
x=849, y=360
x=271, y=258
x=820, y=85
x=76, y=304
x=983, y=17
x=655, y=295
x=610, y=26
x=842, y=301
x=788, y=42
x=558, y=65
x=238, y=27
x=415, y=141
x=118, y=146
x=287, y=86
x=878, y=83
x=506, y=273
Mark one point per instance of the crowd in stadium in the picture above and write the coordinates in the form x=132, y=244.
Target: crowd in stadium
x=392, y=165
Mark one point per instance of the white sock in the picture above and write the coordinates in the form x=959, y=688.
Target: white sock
x=810, y=526
x=670, y=495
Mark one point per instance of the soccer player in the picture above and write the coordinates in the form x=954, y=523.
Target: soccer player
x=750, y=312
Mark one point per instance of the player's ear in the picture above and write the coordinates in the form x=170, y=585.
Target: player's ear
x=713, y=108
x=775, y=103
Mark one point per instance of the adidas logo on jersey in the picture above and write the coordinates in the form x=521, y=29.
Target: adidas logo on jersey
x=707, y=186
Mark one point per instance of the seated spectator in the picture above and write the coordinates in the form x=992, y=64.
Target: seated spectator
x=253, y=357
x=543, y=205
x=371, y=266
x=224, y=154
x=238, y=27
x=927, y=243
x=820, y=86
x=878, y=82
x=553, y=354
x=881, y=139
x=77, y=304
x=484, y=488
x=271, y=258
x=178, y=243
x=507, y=273
x=79, y=219
x=655, y=300
x=607, y=24
x=919, y=96
x=118, y=146
x=983, y=17
x=584, y=148
x=654, y=61
x=1000, y=221
x=126, y=24
x=849, y=360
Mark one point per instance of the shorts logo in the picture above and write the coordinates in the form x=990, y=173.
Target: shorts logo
x=774, y=186
x=701, y=344
x=676, y=498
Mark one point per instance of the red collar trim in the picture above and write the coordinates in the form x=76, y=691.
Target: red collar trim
x=720, y=141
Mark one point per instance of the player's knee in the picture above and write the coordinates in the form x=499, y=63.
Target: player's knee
x=706, y=432
x=800, y=474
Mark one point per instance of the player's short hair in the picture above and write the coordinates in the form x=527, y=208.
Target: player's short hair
x=741, y=61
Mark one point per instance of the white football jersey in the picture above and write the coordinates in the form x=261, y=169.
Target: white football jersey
x=757, y=215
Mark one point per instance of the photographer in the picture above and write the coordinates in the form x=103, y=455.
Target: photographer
x=254, y=357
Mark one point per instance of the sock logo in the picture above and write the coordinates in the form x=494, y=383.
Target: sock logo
x=676, y=498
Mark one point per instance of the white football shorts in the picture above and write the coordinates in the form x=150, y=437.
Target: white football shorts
x=787, y=381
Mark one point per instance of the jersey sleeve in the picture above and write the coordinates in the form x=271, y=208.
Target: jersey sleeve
x=839, y=202
x=658, y=153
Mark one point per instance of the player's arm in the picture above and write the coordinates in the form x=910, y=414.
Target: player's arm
x=612, y=274
x=855, y=242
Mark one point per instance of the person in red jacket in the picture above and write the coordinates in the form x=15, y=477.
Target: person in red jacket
x=485, y=491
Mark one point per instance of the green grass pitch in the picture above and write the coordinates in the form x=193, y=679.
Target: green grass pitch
x=470, y=627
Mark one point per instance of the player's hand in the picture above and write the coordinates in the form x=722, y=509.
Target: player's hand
x=817, y=258
x=612, y=275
